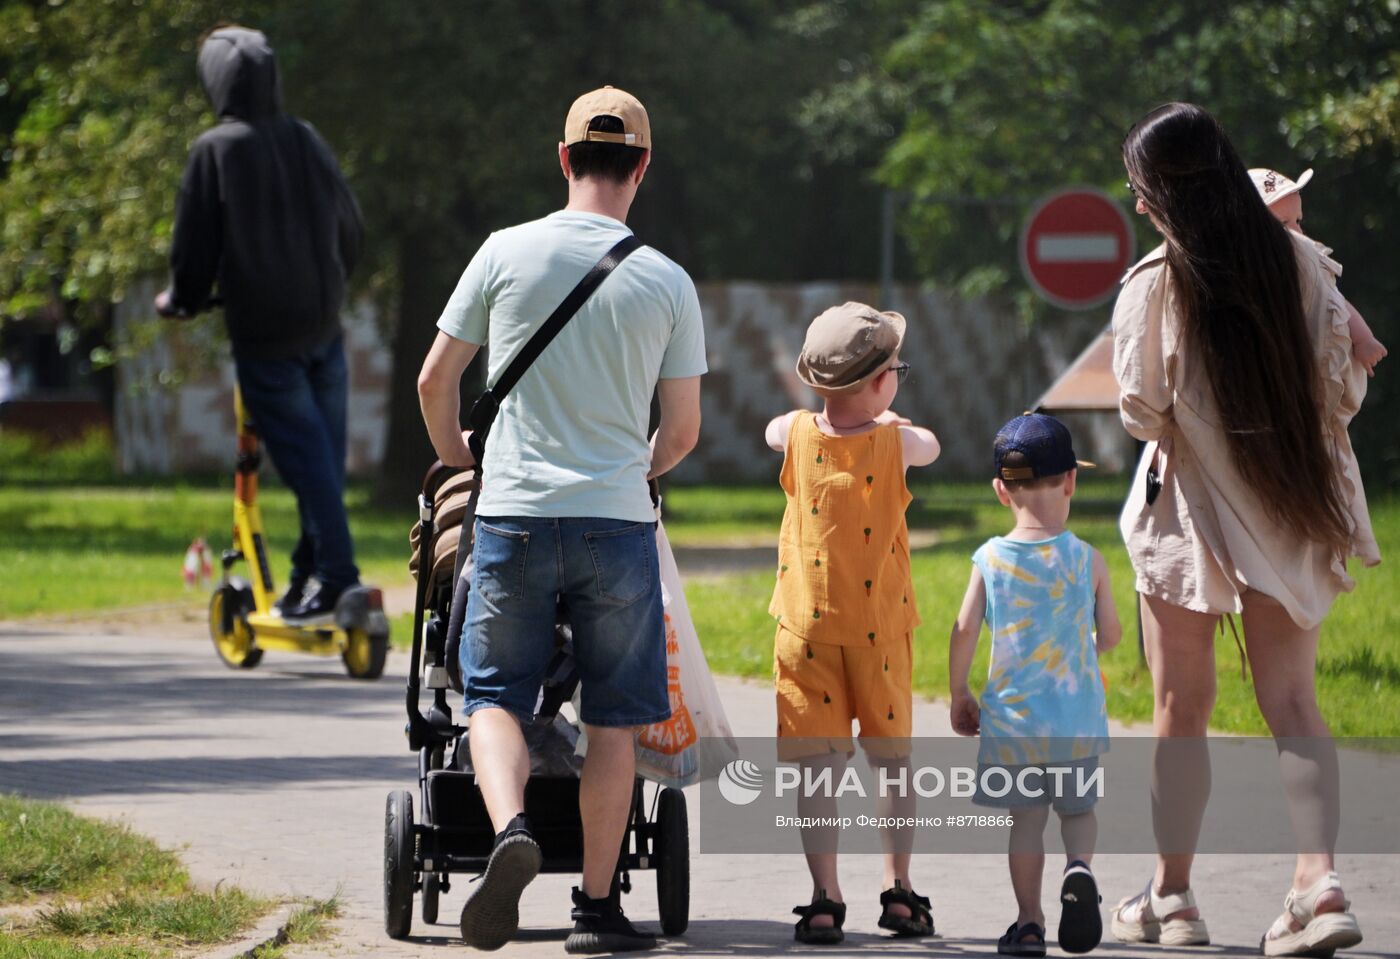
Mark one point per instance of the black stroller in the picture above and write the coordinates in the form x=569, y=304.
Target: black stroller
x=454, y=834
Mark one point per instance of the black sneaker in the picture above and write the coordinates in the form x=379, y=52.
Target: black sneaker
x=492, y=912
x=316, y=606
x=600, y=926
x=1081, y=925
x=292, y=598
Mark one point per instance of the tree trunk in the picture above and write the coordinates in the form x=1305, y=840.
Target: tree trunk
x=422, y=293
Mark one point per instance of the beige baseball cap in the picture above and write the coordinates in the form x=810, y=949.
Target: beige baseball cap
x=1274, y=186
x=608, y=102
x=847, y=345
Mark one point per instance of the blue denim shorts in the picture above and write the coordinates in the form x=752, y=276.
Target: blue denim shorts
x=605, y=576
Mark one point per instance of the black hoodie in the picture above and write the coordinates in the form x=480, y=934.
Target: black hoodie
x=263, y=210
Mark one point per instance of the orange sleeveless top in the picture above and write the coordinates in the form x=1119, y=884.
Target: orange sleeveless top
x=843, y=553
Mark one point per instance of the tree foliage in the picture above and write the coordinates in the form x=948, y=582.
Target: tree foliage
x=99, y=104
x=995, y=103
x=445, y=116
x=769, y=118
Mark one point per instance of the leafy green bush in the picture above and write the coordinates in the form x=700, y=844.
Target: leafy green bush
x=27, y=459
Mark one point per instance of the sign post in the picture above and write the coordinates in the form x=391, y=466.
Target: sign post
x=1074, y=246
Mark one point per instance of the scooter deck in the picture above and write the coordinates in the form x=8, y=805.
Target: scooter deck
x=273, y=633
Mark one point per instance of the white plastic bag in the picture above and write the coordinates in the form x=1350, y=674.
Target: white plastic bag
x=696, y=741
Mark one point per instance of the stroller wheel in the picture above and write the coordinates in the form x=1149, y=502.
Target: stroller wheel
x=399, y=851
x=365, y=654
x=228, y=627
x=431, y=890
x=673, y=862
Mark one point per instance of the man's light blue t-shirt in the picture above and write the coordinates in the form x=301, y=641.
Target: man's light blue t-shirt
x=570, y=439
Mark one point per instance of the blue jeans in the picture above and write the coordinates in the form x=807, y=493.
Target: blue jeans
x=604, y=574
x=298, y=410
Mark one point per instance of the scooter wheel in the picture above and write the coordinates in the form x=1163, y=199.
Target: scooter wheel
x=365, y=654
x=228, y=627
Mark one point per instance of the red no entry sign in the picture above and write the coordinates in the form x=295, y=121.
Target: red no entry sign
x=1075, y=246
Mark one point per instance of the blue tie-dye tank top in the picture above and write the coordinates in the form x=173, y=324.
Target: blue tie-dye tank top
x=1044, y=699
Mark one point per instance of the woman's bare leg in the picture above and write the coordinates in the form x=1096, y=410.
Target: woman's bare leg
x=1180, y=646
x=1283, y=658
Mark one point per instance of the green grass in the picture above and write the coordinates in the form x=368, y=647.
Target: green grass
x=191, y=917
x=25, y=947
x=1359, y=659
x=104, y=891
x=45, y=849
x=69, y=549
x=76, y=537
x=27, y=460
x=310, y=922
x=67, y=545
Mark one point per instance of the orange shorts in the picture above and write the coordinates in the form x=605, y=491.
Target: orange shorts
x=822, y=687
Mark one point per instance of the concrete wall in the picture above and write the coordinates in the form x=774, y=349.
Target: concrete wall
x=974, y=367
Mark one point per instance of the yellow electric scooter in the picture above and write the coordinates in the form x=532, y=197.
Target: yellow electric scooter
x=242, y=620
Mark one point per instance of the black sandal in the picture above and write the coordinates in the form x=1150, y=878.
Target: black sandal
x=919, y=922
x=820, y=906
x=1014, y=942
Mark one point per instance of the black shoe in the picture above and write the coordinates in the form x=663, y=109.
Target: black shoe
x=292, y=598
x=1027, y=940
x=319, y=604
x=492, y=913
x=1081, y=925
x=600, y=926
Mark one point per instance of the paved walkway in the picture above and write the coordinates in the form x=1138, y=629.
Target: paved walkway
x=276, y=778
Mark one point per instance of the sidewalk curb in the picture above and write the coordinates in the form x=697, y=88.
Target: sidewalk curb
x=271, y=931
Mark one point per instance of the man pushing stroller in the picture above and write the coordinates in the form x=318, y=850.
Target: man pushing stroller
x=565, y=518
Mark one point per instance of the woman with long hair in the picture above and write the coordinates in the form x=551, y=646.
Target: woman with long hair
x=1234, y=362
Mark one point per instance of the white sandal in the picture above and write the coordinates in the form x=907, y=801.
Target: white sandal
x=1321, y=932
x=1147, y=927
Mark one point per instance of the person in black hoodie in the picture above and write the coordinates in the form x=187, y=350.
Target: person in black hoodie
x=265, y=213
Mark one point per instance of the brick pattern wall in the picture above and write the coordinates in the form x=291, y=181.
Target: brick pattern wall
x=189, y=427
x=974, y=366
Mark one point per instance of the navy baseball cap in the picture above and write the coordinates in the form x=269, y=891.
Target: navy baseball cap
x=1032, y=446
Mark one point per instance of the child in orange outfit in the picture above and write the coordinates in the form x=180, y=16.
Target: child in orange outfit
x=844, y=600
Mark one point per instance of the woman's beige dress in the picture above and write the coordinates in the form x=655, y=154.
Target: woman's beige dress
x=1207, y=537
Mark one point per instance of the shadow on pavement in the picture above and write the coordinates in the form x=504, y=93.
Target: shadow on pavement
x=143, y=688
x=80, y=777
x=78, y=724
x=762, y=937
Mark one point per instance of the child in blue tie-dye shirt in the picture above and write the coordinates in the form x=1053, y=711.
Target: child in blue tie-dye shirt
x=1045, y=596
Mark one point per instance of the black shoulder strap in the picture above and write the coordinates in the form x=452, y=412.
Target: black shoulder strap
x=484, y=411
